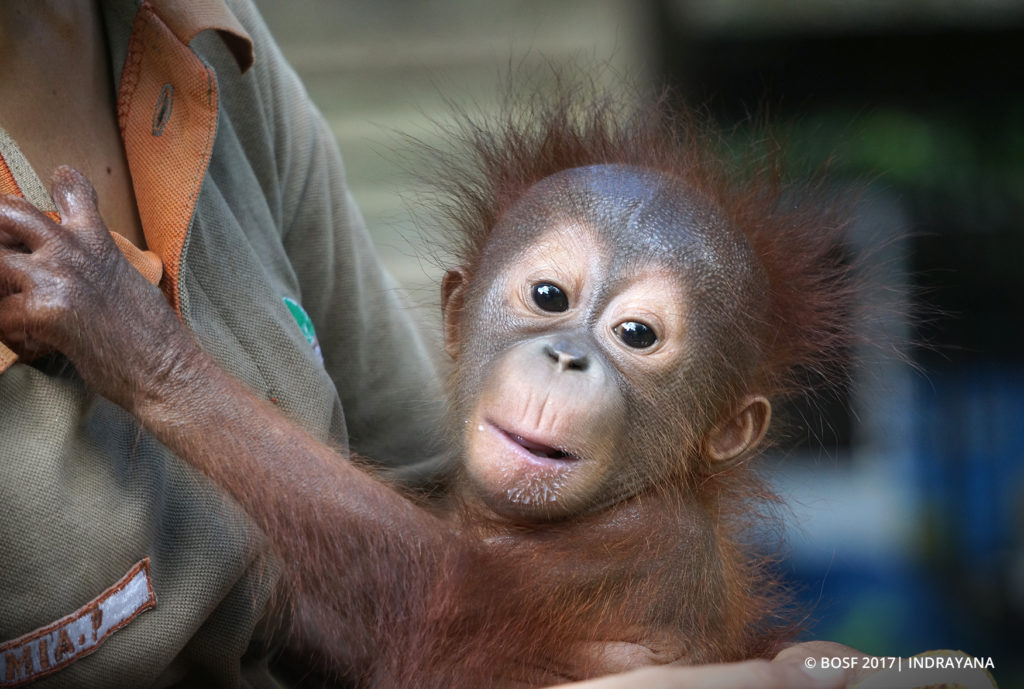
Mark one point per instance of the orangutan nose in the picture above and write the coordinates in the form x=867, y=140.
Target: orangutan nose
x=568, y=355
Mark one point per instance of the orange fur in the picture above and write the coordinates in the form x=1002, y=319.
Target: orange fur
x=729, y=606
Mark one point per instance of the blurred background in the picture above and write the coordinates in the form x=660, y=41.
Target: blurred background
x=906, y=499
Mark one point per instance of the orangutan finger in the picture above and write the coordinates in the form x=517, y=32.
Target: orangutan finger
x=22, y=224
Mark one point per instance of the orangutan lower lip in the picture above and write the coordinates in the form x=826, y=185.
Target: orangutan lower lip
x=539, y=449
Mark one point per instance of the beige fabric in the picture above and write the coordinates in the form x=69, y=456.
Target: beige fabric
x=24, y=175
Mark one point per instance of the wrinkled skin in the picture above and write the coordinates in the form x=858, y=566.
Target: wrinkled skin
x=64, y=287
x=561, y=415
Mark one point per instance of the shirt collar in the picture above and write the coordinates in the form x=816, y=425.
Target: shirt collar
x=188, y=18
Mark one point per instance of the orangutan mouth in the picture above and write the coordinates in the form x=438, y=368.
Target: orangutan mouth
x=539, y=449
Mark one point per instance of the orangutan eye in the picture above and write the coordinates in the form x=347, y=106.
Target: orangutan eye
x=636, y=335
x=550, y=297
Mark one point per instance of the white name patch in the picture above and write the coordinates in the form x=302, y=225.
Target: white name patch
x=57, y=645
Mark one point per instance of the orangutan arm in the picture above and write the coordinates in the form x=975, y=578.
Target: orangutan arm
x=346, y=540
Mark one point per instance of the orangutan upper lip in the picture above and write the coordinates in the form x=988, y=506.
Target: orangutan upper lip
x=540, y=449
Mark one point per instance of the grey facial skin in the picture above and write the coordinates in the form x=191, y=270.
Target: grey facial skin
x=635, y=222
x=645, y=217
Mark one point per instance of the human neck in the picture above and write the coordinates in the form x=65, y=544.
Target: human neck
x=57, y=100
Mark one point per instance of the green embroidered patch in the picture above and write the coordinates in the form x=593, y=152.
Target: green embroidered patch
x=305, y=325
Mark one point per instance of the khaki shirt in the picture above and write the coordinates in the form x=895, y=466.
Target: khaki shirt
x=119, y=565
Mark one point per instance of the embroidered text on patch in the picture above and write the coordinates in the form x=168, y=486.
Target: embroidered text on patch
x=61, y=643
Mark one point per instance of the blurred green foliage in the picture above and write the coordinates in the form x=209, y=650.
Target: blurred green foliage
x=959, y=153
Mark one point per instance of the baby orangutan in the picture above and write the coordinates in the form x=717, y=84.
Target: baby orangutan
x=623, y=311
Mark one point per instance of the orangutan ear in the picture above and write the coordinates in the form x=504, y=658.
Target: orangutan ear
x=453, y=293
x=741, y=433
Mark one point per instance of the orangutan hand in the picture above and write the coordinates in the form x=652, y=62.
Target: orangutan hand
x=67, y=287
